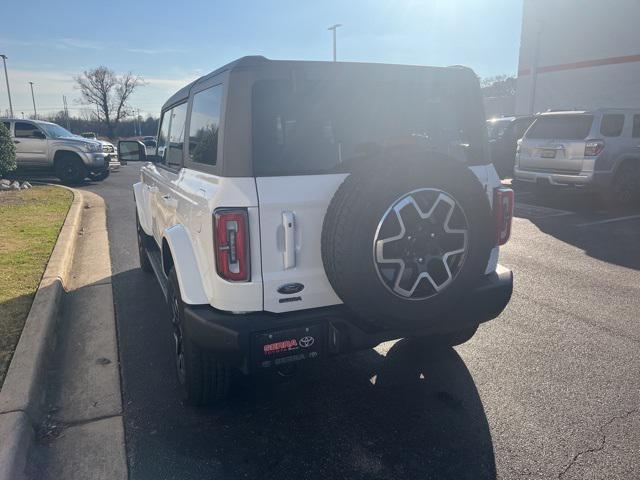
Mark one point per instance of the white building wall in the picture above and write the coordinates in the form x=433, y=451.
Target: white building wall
x=588, y=55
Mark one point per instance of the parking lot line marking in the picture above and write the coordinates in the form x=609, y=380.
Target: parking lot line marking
x=535, y=211
x=608, y=220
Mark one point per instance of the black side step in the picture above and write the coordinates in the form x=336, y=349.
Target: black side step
x=156, y=263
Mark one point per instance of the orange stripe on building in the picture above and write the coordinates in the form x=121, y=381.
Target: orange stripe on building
x=584, y=64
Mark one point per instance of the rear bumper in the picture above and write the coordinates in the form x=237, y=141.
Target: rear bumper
x=231, y=337
x=580, y=179
x=96, y=162
x=598, y=180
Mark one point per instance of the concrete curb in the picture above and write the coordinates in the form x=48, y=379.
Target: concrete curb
x=22, y=393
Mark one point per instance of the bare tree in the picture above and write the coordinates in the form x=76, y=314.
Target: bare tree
x=499, y=86
x=109, y=93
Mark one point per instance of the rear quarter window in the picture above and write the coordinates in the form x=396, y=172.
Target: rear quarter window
x=566, y=127
x=612, y=124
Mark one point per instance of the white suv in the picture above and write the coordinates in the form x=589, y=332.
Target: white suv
x=297, y=210
x=597, y=150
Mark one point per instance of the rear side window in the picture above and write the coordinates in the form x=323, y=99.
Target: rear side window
x=176, y=135
x=163, y=136
x=636, y=126
x=565, y=127
x=611, y=125
x=203, y=127
x=25, y=130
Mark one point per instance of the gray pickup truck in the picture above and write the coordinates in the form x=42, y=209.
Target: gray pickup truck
x=45, y=146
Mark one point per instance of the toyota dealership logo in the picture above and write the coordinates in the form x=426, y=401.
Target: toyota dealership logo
x=306, y=342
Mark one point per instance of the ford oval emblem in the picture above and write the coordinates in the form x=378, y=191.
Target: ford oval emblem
x=290, y=288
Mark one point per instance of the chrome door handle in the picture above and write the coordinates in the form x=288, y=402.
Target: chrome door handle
x=289, y=254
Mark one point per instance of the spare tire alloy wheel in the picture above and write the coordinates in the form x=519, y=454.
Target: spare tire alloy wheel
x=420, y=244
x=404, y=242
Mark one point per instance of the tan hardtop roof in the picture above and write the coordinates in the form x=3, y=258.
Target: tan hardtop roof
x=259, y=61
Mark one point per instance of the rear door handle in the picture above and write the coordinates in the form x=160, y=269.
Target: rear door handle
x=289, y=254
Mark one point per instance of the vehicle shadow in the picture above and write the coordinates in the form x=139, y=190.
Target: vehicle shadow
x=412, y=413
x=401, y=411
x=590, y=227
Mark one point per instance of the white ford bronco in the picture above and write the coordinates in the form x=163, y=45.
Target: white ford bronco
x=297, y=210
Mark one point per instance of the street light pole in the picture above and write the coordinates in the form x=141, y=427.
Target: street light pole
x=6, y=77
x=33, y=98
x=333, y=28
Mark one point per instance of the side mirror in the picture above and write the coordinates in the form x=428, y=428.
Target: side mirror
x=132, y=151
x=39, y=134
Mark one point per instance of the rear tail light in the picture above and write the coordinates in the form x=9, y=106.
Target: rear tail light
x=503, y=201
x=231, y=243
x=593, y=148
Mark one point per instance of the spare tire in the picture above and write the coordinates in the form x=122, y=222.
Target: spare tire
x=404, y=239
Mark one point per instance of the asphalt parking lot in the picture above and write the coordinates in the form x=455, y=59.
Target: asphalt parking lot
x=547, y=390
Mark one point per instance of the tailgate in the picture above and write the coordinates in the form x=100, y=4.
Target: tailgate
x=292, y=209
x=555, y=143
x=552, y=155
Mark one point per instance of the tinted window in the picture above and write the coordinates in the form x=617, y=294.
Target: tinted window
x=203, y=129
x=55, y=131
x=25, y=130
x=312, y=126
x=176, y=135
x=611, y=125
x=636, y=125
x=565, y=127
x=163, y=135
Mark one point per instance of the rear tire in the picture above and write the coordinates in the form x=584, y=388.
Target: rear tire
x=70, y=169
x=625, y=187
x=205, y=380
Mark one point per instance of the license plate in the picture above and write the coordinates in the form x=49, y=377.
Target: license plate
x=278, y=348
x=548, y=154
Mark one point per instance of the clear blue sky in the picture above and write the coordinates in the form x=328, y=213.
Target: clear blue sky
x=171, y=43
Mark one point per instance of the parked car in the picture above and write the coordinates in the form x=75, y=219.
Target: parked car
x=597, y=150
x=108, y=148
x=46, y=146
x=298, y=210
x=504, y=134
